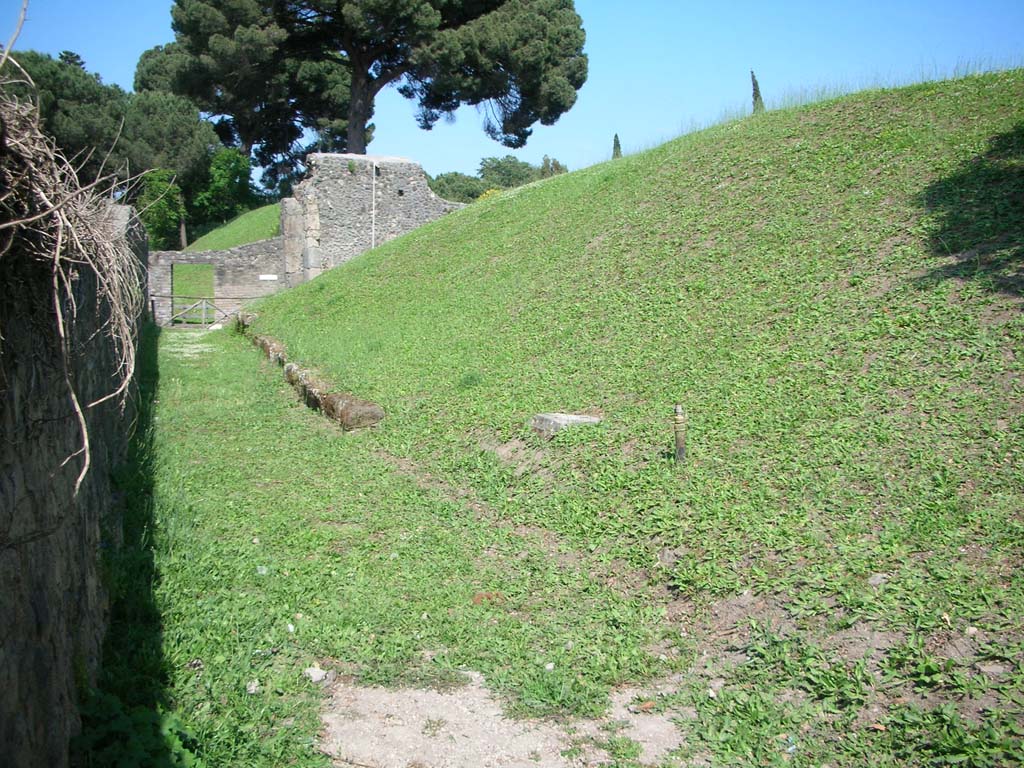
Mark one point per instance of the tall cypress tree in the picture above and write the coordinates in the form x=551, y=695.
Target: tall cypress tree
x=758, y=102
x=616, y=147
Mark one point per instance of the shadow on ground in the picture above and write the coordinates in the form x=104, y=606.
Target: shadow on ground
x=125, y=719
x=979, y=217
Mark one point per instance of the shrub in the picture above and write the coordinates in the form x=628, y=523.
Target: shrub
x=161, y=208
x=490, y=193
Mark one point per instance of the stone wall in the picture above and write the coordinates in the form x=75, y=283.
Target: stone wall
x=347, y=205
x=293, y=234
x=53, y=606
x=352, y=203
x=242, y=273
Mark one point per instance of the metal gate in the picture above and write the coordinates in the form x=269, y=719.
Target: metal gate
x=202, y=313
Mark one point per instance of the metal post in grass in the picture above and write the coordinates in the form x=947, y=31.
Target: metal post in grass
x=679, y=428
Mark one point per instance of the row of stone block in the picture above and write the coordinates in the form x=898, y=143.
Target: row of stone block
x=349, y=411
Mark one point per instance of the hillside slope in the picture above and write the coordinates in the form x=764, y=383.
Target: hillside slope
x=257, y=224
x=834, y=295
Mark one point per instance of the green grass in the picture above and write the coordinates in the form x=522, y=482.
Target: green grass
x=258, y=224
x=191, y=282
x=833, y=293
x=300, y=543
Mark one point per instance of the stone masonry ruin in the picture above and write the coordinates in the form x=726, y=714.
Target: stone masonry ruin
x=352, y=203
x=54, y=520
x=347, y=205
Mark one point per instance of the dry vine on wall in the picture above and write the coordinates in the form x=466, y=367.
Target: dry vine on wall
x=48, y=218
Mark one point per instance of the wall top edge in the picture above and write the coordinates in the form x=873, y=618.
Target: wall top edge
x=316, y=157
x=157, y=257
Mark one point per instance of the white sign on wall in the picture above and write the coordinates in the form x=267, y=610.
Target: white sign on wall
x=268, y=277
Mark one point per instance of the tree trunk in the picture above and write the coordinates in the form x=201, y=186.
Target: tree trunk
x=182, y=233
x=360, y=107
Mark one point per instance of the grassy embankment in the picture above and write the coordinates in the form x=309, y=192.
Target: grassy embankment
x=195, y=281
x=190, y=283
x=258, y=224
x=832, y=292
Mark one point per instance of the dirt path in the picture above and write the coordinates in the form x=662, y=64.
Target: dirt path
x=466, y=728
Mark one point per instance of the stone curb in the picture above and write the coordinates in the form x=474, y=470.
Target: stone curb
x=349, y=411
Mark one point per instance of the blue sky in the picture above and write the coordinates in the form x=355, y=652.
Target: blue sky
x=658, y=68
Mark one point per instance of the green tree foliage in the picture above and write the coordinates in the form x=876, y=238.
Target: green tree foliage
x=157, y=69
x=72, y=58
x=320, y=92
x=550, y=167
x=106, y=129
x=161, y=208
x=82, y=114
x=459, y=187
x=495, y=173
x=616, y=148
x=758, y=102
x=166, y=131
x=227, y=61
x=232, y=59
x=522, y=59
x=506, y=172
x=229, y=191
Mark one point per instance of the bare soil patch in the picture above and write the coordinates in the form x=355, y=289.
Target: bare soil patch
x=519, y=455
x=372, y=727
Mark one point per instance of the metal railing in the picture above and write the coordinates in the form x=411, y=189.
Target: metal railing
x=202, y=312
x=197, y=311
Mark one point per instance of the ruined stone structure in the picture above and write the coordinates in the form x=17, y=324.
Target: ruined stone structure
x=239, y=274
x=352, y=203
x=347, y=205
x=53, y=604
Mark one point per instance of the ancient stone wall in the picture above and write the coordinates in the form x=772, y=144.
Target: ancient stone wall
x=347, y=205
x=53, y=606
x=293, y=233
x=240, y=274
x=352, y=203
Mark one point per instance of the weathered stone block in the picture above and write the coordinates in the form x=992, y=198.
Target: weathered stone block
x=243, y=320
x=351, y=412
x=547, y=425
x=293, y=232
